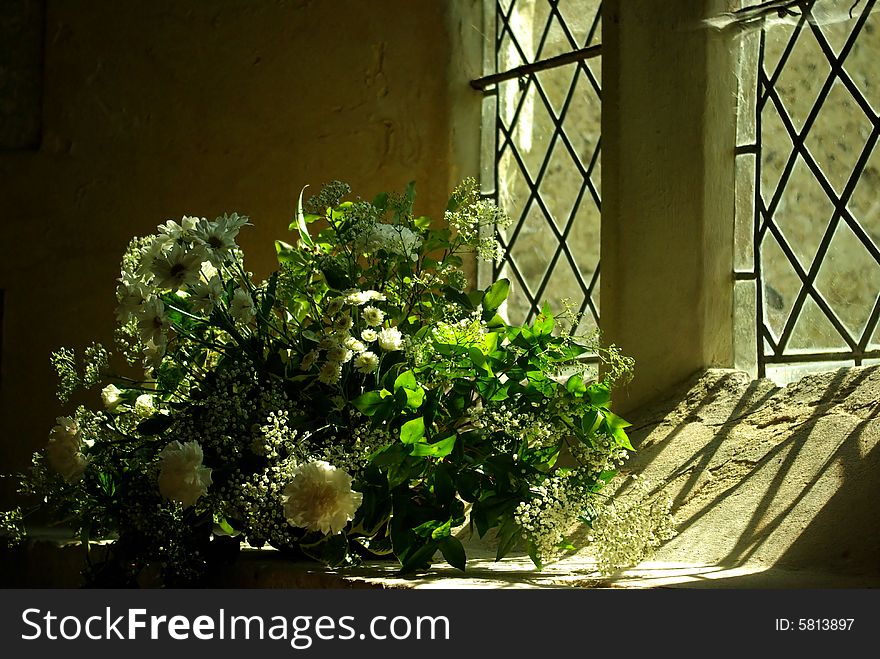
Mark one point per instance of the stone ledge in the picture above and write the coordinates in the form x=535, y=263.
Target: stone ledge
x=772, y=488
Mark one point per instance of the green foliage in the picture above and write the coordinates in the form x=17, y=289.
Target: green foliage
x=362, y=359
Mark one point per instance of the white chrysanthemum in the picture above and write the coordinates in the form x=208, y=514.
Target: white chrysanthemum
x=330, y=373
x=373, y=316
x=242, y=307
x=178, y=267
x=309, y=360
x=208, y=271
x=153, y=322
x=182, y=476
x=205, y=295
x=342, y=323
x=358, y=298
x=339, y=354
x=369, y=335
x=390, y=339
x=63, y=450
x=319, y=498
x=354, y=345
x=217, y=237
x=110, y=395
x=366, y=362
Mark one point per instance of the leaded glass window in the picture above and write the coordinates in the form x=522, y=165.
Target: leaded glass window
x=808, y=263
x=541, y=150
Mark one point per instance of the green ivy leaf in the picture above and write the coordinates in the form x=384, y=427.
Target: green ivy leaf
x=543, y=324
x=600, y=394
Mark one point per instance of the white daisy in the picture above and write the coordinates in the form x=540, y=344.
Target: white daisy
x=242, y=307
x=204, y=296
x=153, y=322
x=178, y=267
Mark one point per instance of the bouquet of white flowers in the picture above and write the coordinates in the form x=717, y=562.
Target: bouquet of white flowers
x=359, y=402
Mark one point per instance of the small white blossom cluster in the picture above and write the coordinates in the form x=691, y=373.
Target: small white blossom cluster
x=257, y=500
x=547, y=518
x=276, y=438
x=352, y=454
x=392, y=238
x=476, y=219
x=627, y=531
x=514, y=426
x=604, y=455
x=470, y=330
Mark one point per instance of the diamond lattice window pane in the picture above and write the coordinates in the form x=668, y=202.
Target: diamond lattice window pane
x=581, y=17
x=814, y=332
x=781, y=285
x=802, y=77
x=816, y=202
x=547, y=168
x=838, y=137
x=803, y=231
x=849, y=279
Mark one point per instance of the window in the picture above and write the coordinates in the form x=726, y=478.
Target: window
x=808, y=168
x=541, y=151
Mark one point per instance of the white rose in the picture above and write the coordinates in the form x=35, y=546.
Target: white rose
x=182, y=477
x=143, y=406
x=63, y=450
x=319, y=498
x=110, y=395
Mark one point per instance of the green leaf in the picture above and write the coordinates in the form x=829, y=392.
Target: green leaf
x=300, y=223
x=412, y=431
x=370, y=402
x=284, y=251
x=414, y=398
x=590, y=422
x=575, y=385
x=407, y=379
x=600, y=394
x=155, y=425
x=444, y=488
x=453, y=552
x=438, y=449
x=419, y=559
x=509, y=535
x=616, y=426
x=543, y=322
x=494, y=297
